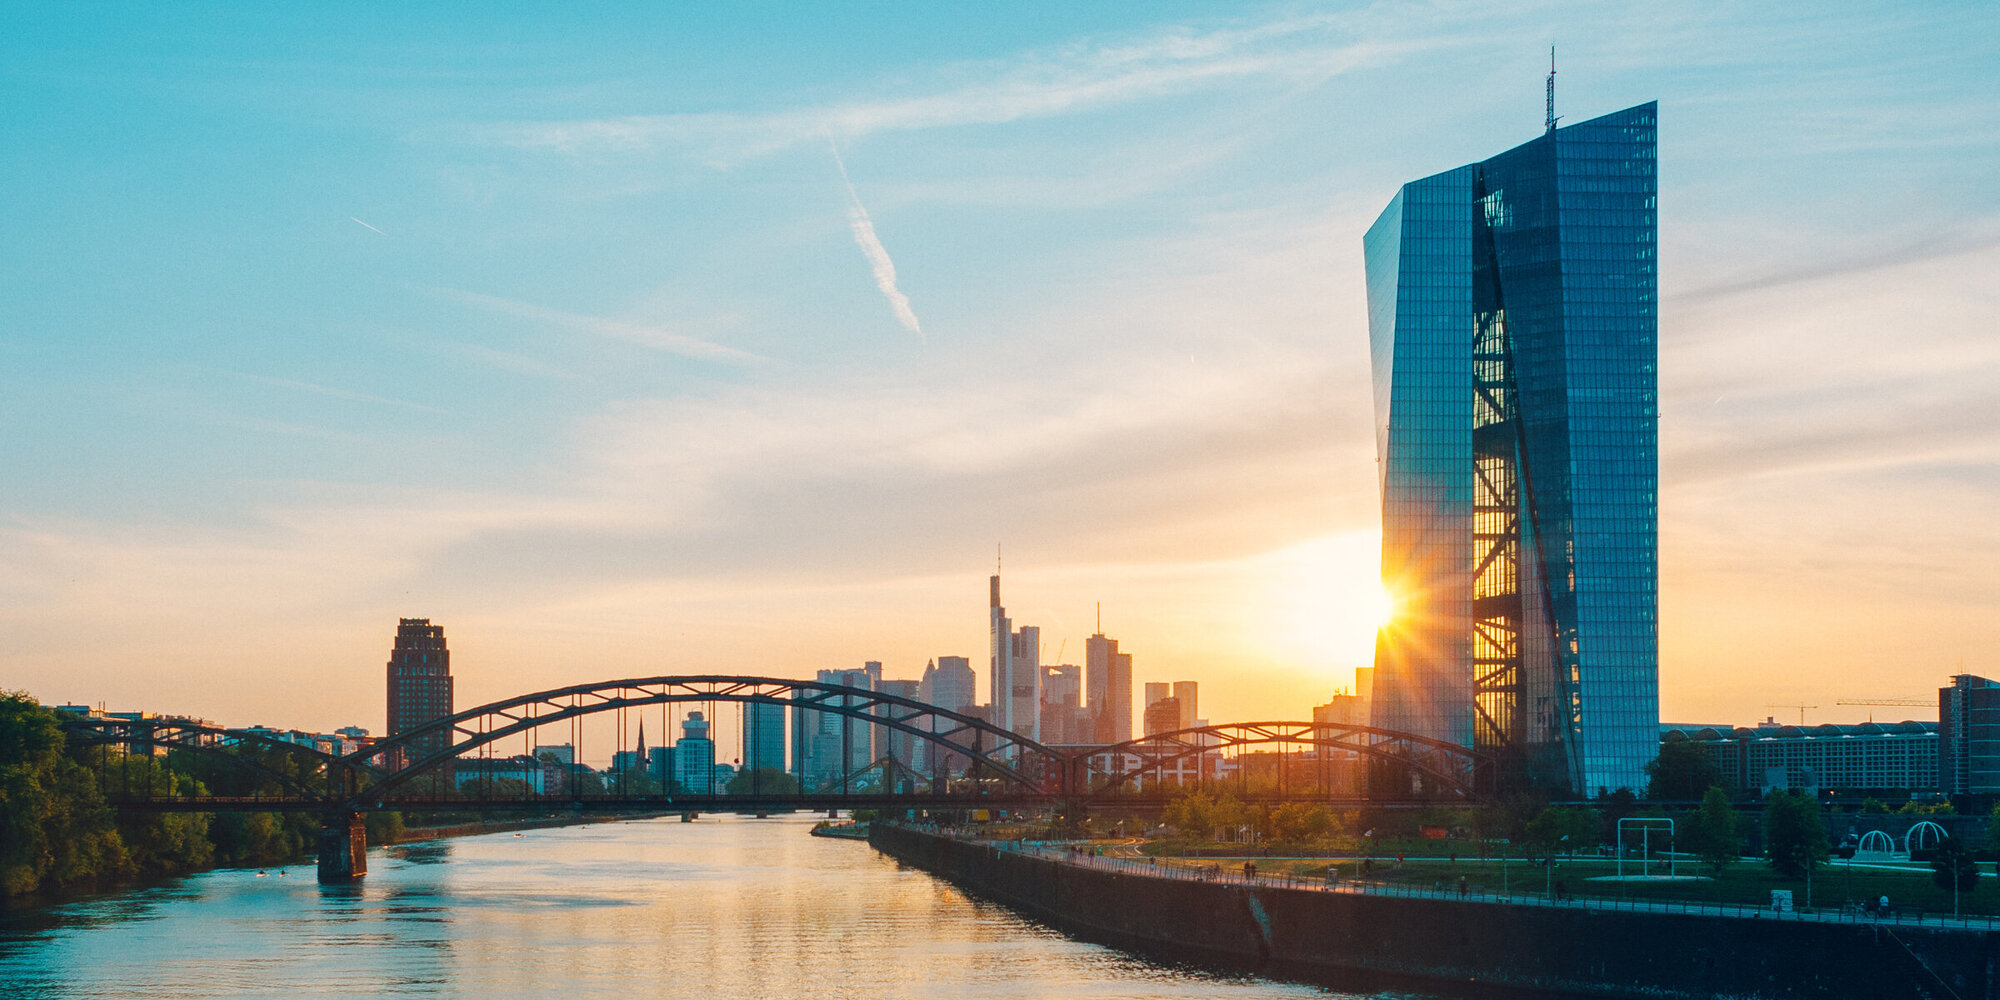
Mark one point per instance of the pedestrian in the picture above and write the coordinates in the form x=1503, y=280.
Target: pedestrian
x=1462, y=887
x=1882, y=906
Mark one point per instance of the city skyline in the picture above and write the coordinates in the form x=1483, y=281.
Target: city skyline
x=668, y=366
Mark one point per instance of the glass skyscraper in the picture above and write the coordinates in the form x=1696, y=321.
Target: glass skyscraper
x=1513, y=321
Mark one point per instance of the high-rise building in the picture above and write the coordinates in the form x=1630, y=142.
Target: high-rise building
x=764, y=736
x=1188, y=693
x=829, y=745
x=1016, y=670
x=419, y=684
x=1107, y=673
x=896, y=743
x=694, y=757
x=1969, y=736
x=1513, y=320
x=948, y=684
x=1062, y=705
x=1163, y=716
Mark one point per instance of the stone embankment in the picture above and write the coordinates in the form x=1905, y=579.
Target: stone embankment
x=1362, y=939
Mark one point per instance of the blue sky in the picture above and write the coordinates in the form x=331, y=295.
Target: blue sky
x=558, y=326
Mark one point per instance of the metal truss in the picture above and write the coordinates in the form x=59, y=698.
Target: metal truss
x=1447, y=764
x=1013, y=758
x=227, y=744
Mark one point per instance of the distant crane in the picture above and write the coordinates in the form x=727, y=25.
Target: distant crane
x=1889, y=702
x=1801, y=708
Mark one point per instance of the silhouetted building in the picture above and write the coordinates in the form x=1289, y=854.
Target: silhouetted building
x=763, y=736
x=694, y=757
x=1062, y=706
x=1513, y=318
x=948, y=683
x=829, y=745
x=1969, y=736
x=419, y=684
x=1889, y=757
x=1107, y=675
x=1188, y=693
x=1163, y=716
x=1016, y=670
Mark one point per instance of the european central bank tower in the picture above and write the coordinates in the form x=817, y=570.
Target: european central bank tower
x=1513, y=323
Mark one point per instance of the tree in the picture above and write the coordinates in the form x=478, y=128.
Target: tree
x=765, y=780
x=1794, y=833
x=55, y=829
x=1952, y=862
x=1711, y=833
x=1301, y=822
x=1561, y=830
x=1683, y=770
x=1874, y=807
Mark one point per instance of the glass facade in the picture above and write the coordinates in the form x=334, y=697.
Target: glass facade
x=1513, y=326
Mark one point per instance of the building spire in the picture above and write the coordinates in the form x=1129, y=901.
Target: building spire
x=1552, y=119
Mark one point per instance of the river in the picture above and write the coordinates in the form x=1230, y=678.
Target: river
x=720, y=908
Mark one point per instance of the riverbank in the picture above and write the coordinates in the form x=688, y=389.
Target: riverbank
x=1339, y=936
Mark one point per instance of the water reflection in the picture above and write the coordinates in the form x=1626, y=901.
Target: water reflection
x=726, y=907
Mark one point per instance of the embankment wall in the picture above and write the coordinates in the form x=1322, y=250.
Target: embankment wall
x=1355, y=940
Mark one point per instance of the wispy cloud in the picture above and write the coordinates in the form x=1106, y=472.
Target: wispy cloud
x=1065, y=79
x=635, y=333
x=871, y=248
x=366, y=226
x=335, y=392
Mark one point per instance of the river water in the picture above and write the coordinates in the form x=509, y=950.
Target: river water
x=720, y=908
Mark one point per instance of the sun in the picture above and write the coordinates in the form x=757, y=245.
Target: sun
x=1329, y=600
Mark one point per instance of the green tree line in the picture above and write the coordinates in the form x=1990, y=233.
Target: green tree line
x=58, y=833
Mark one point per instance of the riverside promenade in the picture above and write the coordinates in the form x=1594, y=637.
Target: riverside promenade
x=1229, y=871
x=1367, y=936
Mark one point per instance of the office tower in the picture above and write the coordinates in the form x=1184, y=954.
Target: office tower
x=419, y=684
x=1969, y=736
x=1163, y=716
x=827, y=746
x=764, y=736
x=1156, y=691
x=1016, y=670
x=894, y=742
x=1513, y=319
x=948, y=684
x=694, y=757
x=1187, y=693
x=1062, y=705
x=1108, y=674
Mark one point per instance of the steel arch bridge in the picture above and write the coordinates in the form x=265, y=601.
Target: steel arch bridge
x=1005, y=768
x=1446, y=766
x=217, y=742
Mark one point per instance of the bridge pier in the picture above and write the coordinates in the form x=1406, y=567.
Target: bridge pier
x=343, y=847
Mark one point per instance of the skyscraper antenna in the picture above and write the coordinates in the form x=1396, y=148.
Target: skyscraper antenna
x=1552, y=119
x=1100, y=617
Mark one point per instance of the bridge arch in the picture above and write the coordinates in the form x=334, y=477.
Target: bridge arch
x=1450, y=765
x=1010, y=756
x=217, y=742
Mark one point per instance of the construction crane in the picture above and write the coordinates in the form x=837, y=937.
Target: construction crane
x=1801, y=708
x=1889, y=702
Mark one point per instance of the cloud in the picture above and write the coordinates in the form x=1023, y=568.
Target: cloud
x=871, y=248
x=635, y=333
x=1065, y=79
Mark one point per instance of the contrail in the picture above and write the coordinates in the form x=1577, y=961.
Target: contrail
x=367, y=226
x=871, y=248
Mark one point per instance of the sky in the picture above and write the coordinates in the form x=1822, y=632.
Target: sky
x=625, y=341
